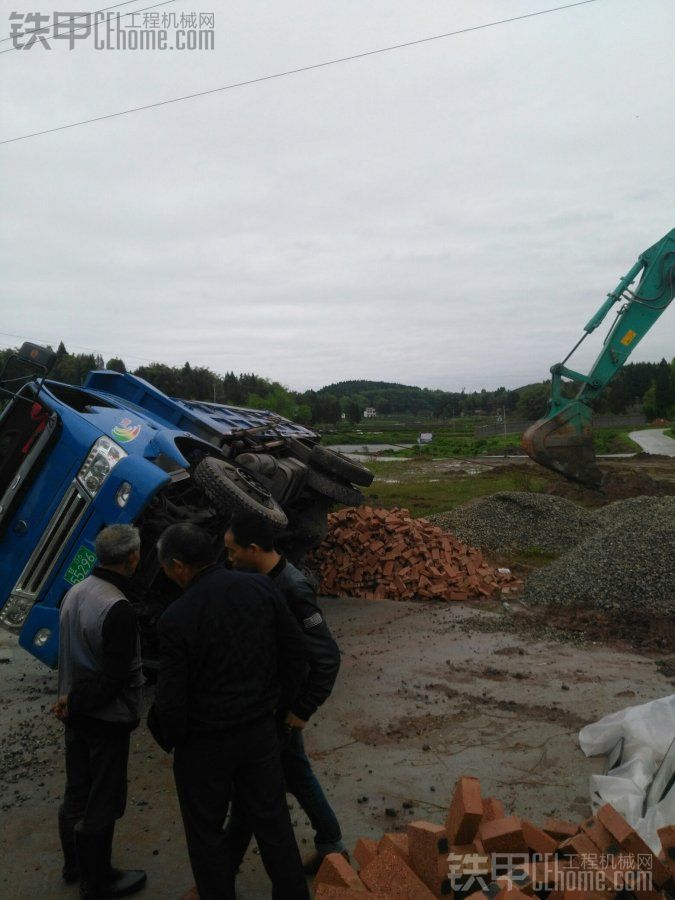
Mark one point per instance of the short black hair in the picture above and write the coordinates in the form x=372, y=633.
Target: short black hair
x=247, y=529
x=187, y=543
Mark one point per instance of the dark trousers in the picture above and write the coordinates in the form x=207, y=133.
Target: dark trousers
x=207, y=771
x=300, y=781
x=96, y=778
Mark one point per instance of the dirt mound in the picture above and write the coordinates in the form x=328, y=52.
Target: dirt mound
x=651, y=632
x=618, y=484
x=628, y=564
x=517, y=521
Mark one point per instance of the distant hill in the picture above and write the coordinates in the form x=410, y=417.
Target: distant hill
x=388, y=397
x=650, y=385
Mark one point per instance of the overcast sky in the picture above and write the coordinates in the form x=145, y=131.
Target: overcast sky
x=448, y=215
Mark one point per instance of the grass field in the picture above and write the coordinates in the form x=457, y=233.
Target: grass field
x=448, y=443
x=423, y=492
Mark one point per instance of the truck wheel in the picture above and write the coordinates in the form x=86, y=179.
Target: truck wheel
x=310, y=524
x=335, y=463
x=300, y=449
x=232, y=489
x=336, y=490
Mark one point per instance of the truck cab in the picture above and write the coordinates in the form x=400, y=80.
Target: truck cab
x=117, y=450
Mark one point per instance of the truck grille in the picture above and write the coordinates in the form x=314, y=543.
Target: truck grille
x=63, y=523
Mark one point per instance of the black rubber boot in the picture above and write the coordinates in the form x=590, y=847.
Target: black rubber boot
x=71, y=871
x=98, y=880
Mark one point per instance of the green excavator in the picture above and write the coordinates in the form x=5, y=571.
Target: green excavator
x=562, y=440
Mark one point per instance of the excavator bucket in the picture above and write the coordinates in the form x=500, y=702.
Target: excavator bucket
x=563, y=442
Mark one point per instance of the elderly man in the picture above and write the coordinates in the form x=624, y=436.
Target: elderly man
x=100, y=681
x=250, y=546
x=228, y=648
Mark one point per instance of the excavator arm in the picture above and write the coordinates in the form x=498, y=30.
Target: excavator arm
x=562, y=440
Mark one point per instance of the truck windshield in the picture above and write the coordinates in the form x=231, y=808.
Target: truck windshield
x=21, y=425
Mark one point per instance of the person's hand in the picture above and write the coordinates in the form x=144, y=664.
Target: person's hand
x=292, y=721
x=60, y=708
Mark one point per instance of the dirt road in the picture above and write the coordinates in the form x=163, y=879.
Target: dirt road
x=427, y=693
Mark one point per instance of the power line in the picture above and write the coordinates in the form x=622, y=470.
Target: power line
x=47, y=29
x=321, y=65
x=24, y=337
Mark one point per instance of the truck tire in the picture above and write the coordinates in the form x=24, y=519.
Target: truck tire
x=327, y=460
x=300, y=449
x=336, y=490
x=310, y=524
x=231, y=489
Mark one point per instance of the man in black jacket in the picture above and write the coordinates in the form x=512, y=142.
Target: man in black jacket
x=100, y=679
x=250, y=545
x=228, y=647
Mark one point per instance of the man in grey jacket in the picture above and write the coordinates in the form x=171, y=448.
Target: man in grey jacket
x=100, y=682
x=250, y=544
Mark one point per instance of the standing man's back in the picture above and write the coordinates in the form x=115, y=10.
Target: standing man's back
x=228, y=649
x=250, y=546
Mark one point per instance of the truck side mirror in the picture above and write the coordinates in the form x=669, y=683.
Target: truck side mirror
x=35, y=355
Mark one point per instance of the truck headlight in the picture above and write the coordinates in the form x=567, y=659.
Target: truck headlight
x=102, y=459
x=15, y=612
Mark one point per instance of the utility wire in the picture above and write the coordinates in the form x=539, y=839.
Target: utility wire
x=48, y=28
x=321, y=65
x=24, y=337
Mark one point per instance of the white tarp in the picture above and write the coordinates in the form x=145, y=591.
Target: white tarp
x=647, y=731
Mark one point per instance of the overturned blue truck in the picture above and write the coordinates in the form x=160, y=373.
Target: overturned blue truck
x=117, y=450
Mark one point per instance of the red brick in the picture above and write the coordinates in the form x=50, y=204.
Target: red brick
x=388, y=873
x=537, y=840
x=492, y=809
x=597, y=832
x=397, y=843
x=577, y=845
x=510, y=893
x=631, y=841
x=560, y=829
x=337, y=871
x=503, y=836
x=428, y=847
x=466, y=811
x=667, y=838
x=331, y=892
x=364, y=851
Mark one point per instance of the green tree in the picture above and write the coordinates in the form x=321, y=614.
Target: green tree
x=533, y=401
x=662, y=392
x=354, y=412
x=116, y=365
x=649, y=402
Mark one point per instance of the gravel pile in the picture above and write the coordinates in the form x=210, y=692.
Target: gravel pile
x=517, y=520
x=629, y=563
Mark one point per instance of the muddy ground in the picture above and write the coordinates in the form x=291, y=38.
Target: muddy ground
x=427, y=693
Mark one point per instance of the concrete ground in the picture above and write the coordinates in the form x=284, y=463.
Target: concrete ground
x=427, y=693
x=654, y=441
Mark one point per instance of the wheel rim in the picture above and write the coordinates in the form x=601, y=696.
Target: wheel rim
x=253, y=486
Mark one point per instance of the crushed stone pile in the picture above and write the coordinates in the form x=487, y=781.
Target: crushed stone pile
x=482, y=851
x=517, y=520
x=629, y=562
x=385, y=554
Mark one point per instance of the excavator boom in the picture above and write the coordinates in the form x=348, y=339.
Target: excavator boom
x=562, y=440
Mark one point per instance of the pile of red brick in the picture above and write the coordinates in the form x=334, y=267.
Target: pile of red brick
x=384, y=554
x=467, y=857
